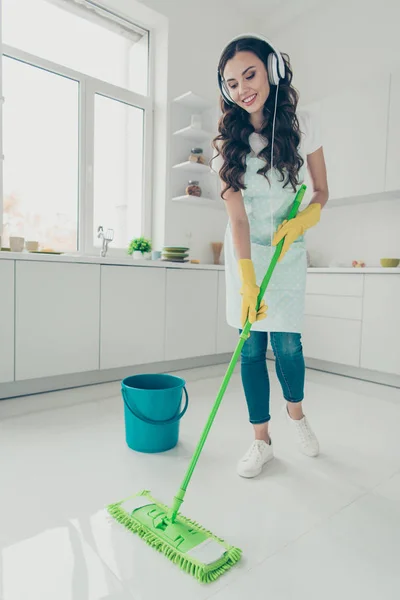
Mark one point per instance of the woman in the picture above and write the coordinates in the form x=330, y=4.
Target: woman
x=260, y=128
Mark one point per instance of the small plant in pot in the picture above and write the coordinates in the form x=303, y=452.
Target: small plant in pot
x=139, y=248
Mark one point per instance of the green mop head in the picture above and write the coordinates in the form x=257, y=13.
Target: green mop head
x=186, y=543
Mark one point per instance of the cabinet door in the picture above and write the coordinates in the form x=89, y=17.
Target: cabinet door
x=132, y=316
x=341, y=307
x=381, y=324
x=191, y=313
x=57, y=318
x=333, y=340
x=227, y=336
x=6, y=320
x=335, y=284
x=393, y=145
x=354, y=134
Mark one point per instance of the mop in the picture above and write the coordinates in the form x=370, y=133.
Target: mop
x=186, y=543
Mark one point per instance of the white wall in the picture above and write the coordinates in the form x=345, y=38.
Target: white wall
x=335, y=43
x=332, y=45
x=367, y=232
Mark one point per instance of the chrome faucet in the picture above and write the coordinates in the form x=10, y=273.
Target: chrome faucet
x=106, y=239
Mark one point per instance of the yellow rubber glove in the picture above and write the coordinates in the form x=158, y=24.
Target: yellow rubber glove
x=293, y=229
x=250, y=291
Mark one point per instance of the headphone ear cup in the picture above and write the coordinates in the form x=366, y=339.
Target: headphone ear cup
x=273, y=73
x=223, y=90
x=226, y=94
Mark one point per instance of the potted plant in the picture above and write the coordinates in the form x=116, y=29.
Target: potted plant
x=139, y=248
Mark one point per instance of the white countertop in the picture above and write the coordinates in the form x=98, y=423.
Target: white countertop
x=354, y=270
x=130, y=262
x=108, y=260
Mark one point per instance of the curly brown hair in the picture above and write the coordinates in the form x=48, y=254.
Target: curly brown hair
x=234, y=126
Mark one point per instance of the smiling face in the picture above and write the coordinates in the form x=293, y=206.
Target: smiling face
x=246, y=79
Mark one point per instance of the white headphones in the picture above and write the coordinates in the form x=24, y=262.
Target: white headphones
x=275, y=65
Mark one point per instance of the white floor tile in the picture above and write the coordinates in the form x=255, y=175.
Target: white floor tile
x=54, y=563
x=352, y=555
x=390, y=489
x=63, y=457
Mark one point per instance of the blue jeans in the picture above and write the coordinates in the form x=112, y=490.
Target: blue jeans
x=290, y=368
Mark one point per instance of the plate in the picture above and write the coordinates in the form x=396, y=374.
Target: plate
x=177, y=260
x=42, y=252
x=172, y=249
x=174, y=255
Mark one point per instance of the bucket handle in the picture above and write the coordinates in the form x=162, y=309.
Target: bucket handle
x=141, y=417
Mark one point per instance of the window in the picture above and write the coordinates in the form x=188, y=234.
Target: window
x=76, y=124
x=40, y=141
x=117, y=167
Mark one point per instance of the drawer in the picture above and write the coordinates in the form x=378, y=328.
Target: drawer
x=332, y=340
x=335, y=284
x=341, y=307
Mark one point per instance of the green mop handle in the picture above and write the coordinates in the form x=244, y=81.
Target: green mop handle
x=179, y=498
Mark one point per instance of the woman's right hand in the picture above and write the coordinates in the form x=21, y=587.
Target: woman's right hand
x=249, y=292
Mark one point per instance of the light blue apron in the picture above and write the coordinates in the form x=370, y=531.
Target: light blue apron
x=267, y=205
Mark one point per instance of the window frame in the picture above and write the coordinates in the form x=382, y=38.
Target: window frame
x=88, y=88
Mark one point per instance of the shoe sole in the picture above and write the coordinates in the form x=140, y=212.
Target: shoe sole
x=258, y=472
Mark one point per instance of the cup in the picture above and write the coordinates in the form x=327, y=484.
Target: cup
x=156, y=255
x=17, y=244
x=32, y=246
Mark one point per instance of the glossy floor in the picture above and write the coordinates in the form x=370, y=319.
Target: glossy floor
x=310, y=529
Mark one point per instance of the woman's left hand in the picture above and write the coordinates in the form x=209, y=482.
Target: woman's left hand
x=293, y=229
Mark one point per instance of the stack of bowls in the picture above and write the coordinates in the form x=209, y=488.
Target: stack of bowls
x=175, y=254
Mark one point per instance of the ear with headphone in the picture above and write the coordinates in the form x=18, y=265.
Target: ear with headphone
x=275, y=65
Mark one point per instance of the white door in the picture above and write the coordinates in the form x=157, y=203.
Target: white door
x=393, y=145
x=132, y=316
x=381, y=324
x=227, y=336
x=57, y=318
x=191, y=313
x=6, y=320
x=354, y=127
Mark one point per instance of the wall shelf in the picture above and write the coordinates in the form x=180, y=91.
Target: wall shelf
x=193, y=168
x=192, y=101
x=192, y=133
x=200, y=201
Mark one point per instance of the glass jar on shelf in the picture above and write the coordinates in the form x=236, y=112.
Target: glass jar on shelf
x=196, y=156
x=193, y=188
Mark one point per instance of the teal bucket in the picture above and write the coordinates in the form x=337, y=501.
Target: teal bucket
x=152, y=408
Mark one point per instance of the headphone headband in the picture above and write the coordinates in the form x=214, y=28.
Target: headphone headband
x=276, y=64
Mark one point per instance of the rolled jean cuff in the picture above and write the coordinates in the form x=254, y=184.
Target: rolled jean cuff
x=294, y=400
x=261, y=421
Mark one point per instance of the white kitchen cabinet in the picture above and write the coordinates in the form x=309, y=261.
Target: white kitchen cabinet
x=6, y=320
x=354, y=135
x=227, y=336
x=331, y=339
x=341, y=307
x=393, y=145
x=132, y=327
x=381, y=324
x=191, y=313
x=335, y=284
x=57, y=318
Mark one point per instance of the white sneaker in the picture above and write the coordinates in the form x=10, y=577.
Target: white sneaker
x=306, y=439
x=255, y=458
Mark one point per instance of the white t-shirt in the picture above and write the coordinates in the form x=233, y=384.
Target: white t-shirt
x=310, y=139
